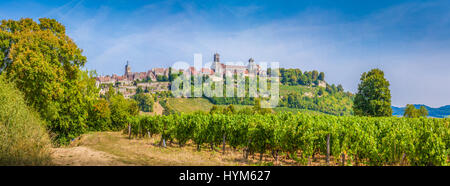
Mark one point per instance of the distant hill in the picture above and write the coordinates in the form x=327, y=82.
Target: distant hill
x=440, y=112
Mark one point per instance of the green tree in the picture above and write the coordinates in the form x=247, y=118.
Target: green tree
x=373, y=97
x=145, y=102
x=411, y=111
x=340, y=88
x=315, y=75
x=422, y=112
x=45, y=64
x=121, y=110
x=139, y=90
x=100, y=116
x=320, y=92
x=322, y=76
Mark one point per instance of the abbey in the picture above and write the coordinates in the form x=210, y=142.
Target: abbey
x=221, y=68
x=162, y=74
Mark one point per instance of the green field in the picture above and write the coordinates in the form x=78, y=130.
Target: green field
x=287, y=89
x=295, y=110
x=190, y=105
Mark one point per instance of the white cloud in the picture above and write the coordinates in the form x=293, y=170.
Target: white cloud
x=416, y=64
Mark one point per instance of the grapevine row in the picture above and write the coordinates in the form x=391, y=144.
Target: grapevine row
x=371, y=141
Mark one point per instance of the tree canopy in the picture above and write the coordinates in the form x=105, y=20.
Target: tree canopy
x=45, y=64
x=373, y=97
x=412, y=112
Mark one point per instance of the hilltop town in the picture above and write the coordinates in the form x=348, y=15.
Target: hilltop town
x=157, y=79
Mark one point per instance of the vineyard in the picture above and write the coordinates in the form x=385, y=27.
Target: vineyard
x=350, y=140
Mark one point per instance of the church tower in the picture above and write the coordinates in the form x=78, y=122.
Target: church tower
x=251, y=65
x=216, y=57
x=216, y=64
x=127, y=70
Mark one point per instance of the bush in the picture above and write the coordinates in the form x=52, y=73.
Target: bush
x=23, y=138
x=121, y=110
x=100, y=116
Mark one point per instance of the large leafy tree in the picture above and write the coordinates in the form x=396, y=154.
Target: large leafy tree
x=411, y=112
x=423, y=112
x=373, y=97
x=45, y=64
x=144, y=101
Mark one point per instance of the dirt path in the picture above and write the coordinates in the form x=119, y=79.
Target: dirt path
x=114, y=148
x=76, y=156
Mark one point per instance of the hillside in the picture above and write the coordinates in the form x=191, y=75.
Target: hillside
x=23, y=138
x=190, y=105
x=441, y=112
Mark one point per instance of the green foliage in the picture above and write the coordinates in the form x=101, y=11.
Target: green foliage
x=372, y=141
x=423, y=112
x=312, y=98
x=23, y=138
x=145, y=101
x=373, y=97
x=121, y=111
x=296, y=77
x=258, y=109
x=100, y=116
x=412, y=112
x=45, y=64
x=162, y=78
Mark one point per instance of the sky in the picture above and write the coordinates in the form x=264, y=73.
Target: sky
x=408, y=40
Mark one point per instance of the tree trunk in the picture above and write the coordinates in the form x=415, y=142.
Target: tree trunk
x=343, y=159
x=198, y=147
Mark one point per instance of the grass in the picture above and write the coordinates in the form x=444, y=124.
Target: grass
x=296, y=110
x=287, y=89
x=190, y=105
x=23, y=138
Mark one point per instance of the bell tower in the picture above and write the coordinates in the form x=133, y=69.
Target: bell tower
x=216, y=64
x=216, y=57
x=127, y=69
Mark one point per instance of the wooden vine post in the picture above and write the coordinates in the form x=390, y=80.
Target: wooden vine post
x=129, y=131
x=223, y=144
x=328, y=149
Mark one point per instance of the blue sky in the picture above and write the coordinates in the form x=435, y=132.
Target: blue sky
x=409, y=40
